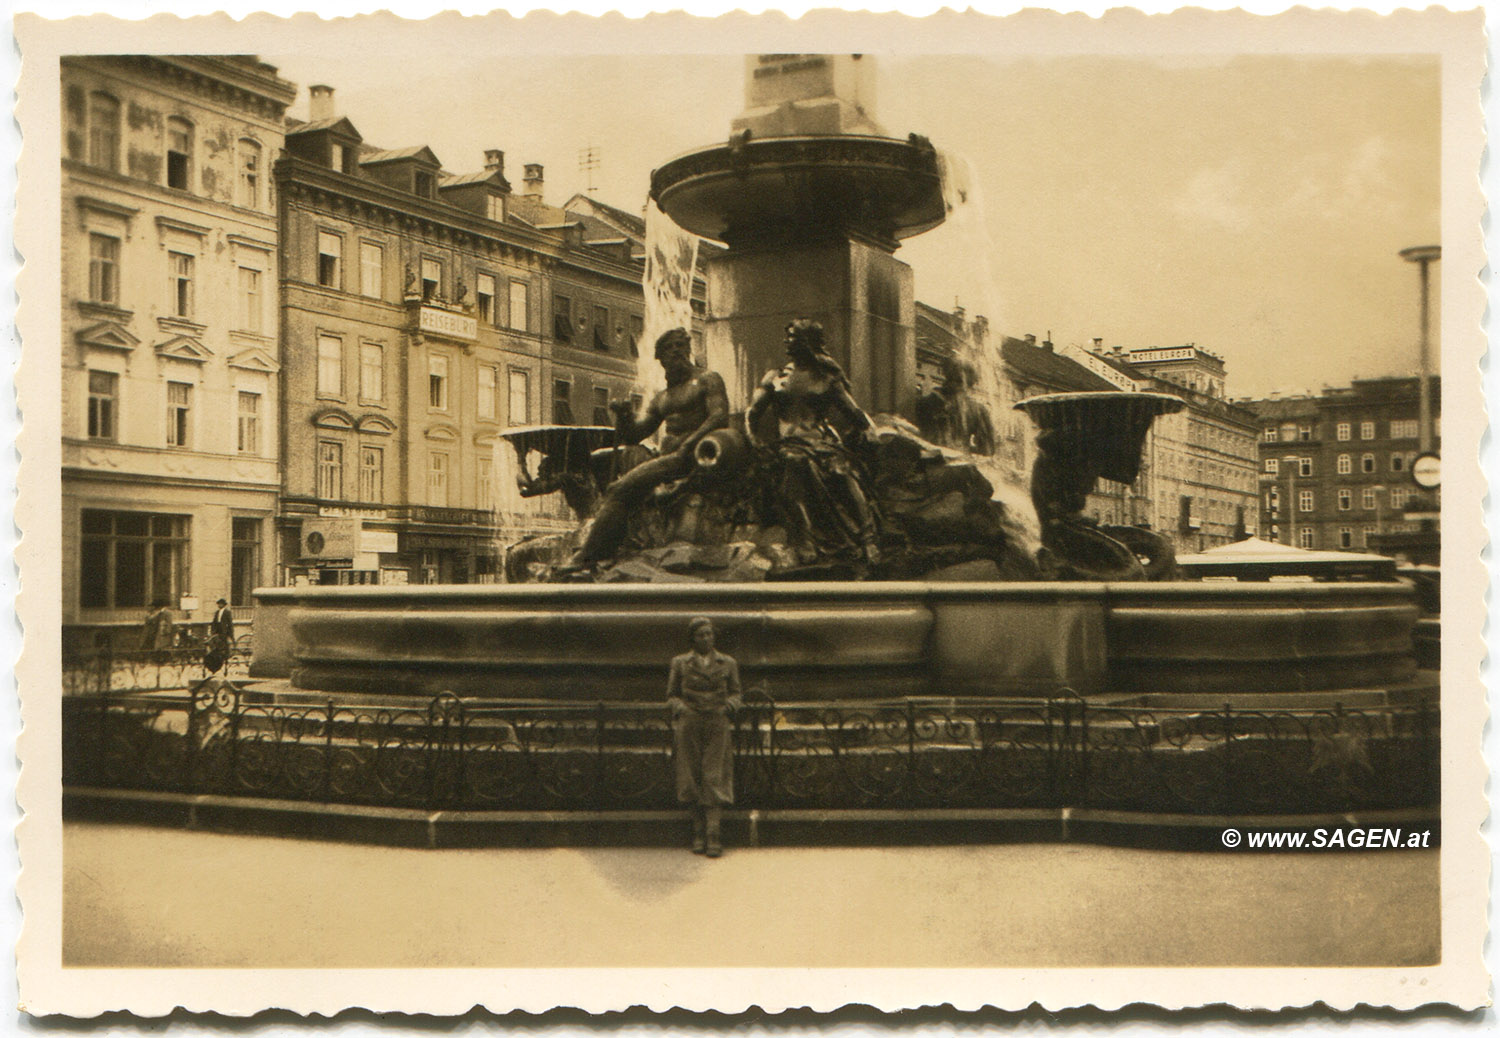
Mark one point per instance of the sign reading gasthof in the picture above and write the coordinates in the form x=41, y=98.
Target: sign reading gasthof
x=445, y=322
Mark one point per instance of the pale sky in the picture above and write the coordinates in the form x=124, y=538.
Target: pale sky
x=1252, y=205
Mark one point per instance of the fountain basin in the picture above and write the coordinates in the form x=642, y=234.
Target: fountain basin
x=840, y=641
x=775, y=189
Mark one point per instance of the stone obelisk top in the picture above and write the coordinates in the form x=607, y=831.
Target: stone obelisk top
x=793, y=95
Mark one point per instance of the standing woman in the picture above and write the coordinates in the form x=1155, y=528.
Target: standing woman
x=703, y=689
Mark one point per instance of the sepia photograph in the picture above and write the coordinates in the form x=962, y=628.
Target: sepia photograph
x=536, y=520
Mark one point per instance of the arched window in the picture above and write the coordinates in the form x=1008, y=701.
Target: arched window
x=179, y=153
x=249, y=174
x=104, y=131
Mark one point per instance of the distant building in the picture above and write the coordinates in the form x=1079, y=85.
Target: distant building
x=170, y=359
x=423, y=315
x=1336, y=468
x=1202, y=489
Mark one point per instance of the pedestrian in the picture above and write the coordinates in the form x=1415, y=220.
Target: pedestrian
x=703, y=691
x=159, y=633
x=220, y=638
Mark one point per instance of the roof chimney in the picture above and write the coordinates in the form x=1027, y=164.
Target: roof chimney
x=320, y=103
x=1098, y=343
x=494, y=161
x=1030, y=339
x=532, y=181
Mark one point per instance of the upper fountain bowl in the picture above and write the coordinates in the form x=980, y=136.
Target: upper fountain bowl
x=781, y=190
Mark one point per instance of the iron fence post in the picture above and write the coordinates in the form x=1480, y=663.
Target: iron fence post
x=329, y=712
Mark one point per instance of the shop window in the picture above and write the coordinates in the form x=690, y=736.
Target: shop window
x=132, y=559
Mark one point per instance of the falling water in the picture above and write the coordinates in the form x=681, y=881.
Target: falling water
x=671, y=258
x=979, y=342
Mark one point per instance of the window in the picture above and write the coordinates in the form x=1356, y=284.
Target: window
x=1400, y=496
x=104, y=269
x=1367, y=497
x=179, y=153
x=179, y=411
x=1304, y=500
x=1366, y=430
x=601, y=406
x=1367, y=463
x=494, y=207
x=1346, y=536
x=487, y=387
x=519, y=303
x=330, y=366
x=518, y=410
x=1365, y=533
x=1273, y=467
x=371, y=372
x=248, y=440
x=330, y=470
x=1304, y=432
x=437, y=382
x=637, y=329
x=1273, y=499
x=484, y=483
x=601, y=328
x=181, y=284
x=562, y=318
x=1268, y=434
x=104, y=396
x=338, y=157
x=562, y=402
x=244, y=559
x=249, y=179
x=1398, y=462
x=437, y=478
x=1304, y=466
x=1346, y=500
x=371, y=474
x=1305, y=536
x=1343, y=431
x=371, y=269
x=330, y=259
x=484, y=295
x=432, y=279
x=425, y=184
x=250, y=303
x=1404, y=429
x=131, y=559
x=1346, y=464
x=104, y=132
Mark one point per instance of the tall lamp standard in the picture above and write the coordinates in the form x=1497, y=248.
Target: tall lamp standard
x=1423, y=256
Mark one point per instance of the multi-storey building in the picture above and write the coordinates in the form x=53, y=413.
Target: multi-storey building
x=423, y=315
x=169, y=356
x=1336, y=468
x=1201, y=487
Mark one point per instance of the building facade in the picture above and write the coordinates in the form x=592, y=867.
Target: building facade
x=424, y=314
x=170, y=360
x=1336, y=468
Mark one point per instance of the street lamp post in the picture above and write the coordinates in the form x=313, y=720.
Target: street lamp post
x=1423, y=256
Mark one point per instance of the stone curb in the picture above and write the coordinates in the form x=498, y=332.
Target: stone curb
x=415, y=827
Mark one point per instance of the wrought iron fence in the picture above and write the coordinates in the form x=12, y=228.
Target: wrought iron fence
x=145, y=670
x=994, y=753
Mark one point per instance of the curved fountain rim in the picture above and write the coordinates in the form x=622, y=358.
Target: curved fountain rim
x=1099, y=394
x=753, y=142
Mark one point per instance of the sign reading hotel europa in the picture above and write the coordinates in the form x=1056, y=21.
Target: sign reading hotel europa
x=445, y=322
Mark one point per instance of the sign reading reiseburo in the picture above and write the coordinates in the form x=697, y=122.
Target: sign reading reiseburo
x=445, y=322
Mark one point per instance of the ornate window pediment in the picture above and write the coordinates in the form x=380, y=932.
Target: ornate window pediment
x=108, y=335
x=333, y=418
x=255, y=359
x=184, y=347
x=377, y=424
x=442, y=432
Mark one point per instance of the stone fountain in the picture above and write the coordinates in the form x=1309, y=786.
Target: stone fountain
x=812, y=202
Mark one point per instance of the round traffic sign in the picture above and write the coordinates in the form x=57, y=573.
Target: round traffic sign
x=1427, y=471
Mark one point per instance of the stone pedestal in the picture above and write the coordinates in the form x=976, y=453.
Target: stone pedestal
x=860, y=293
